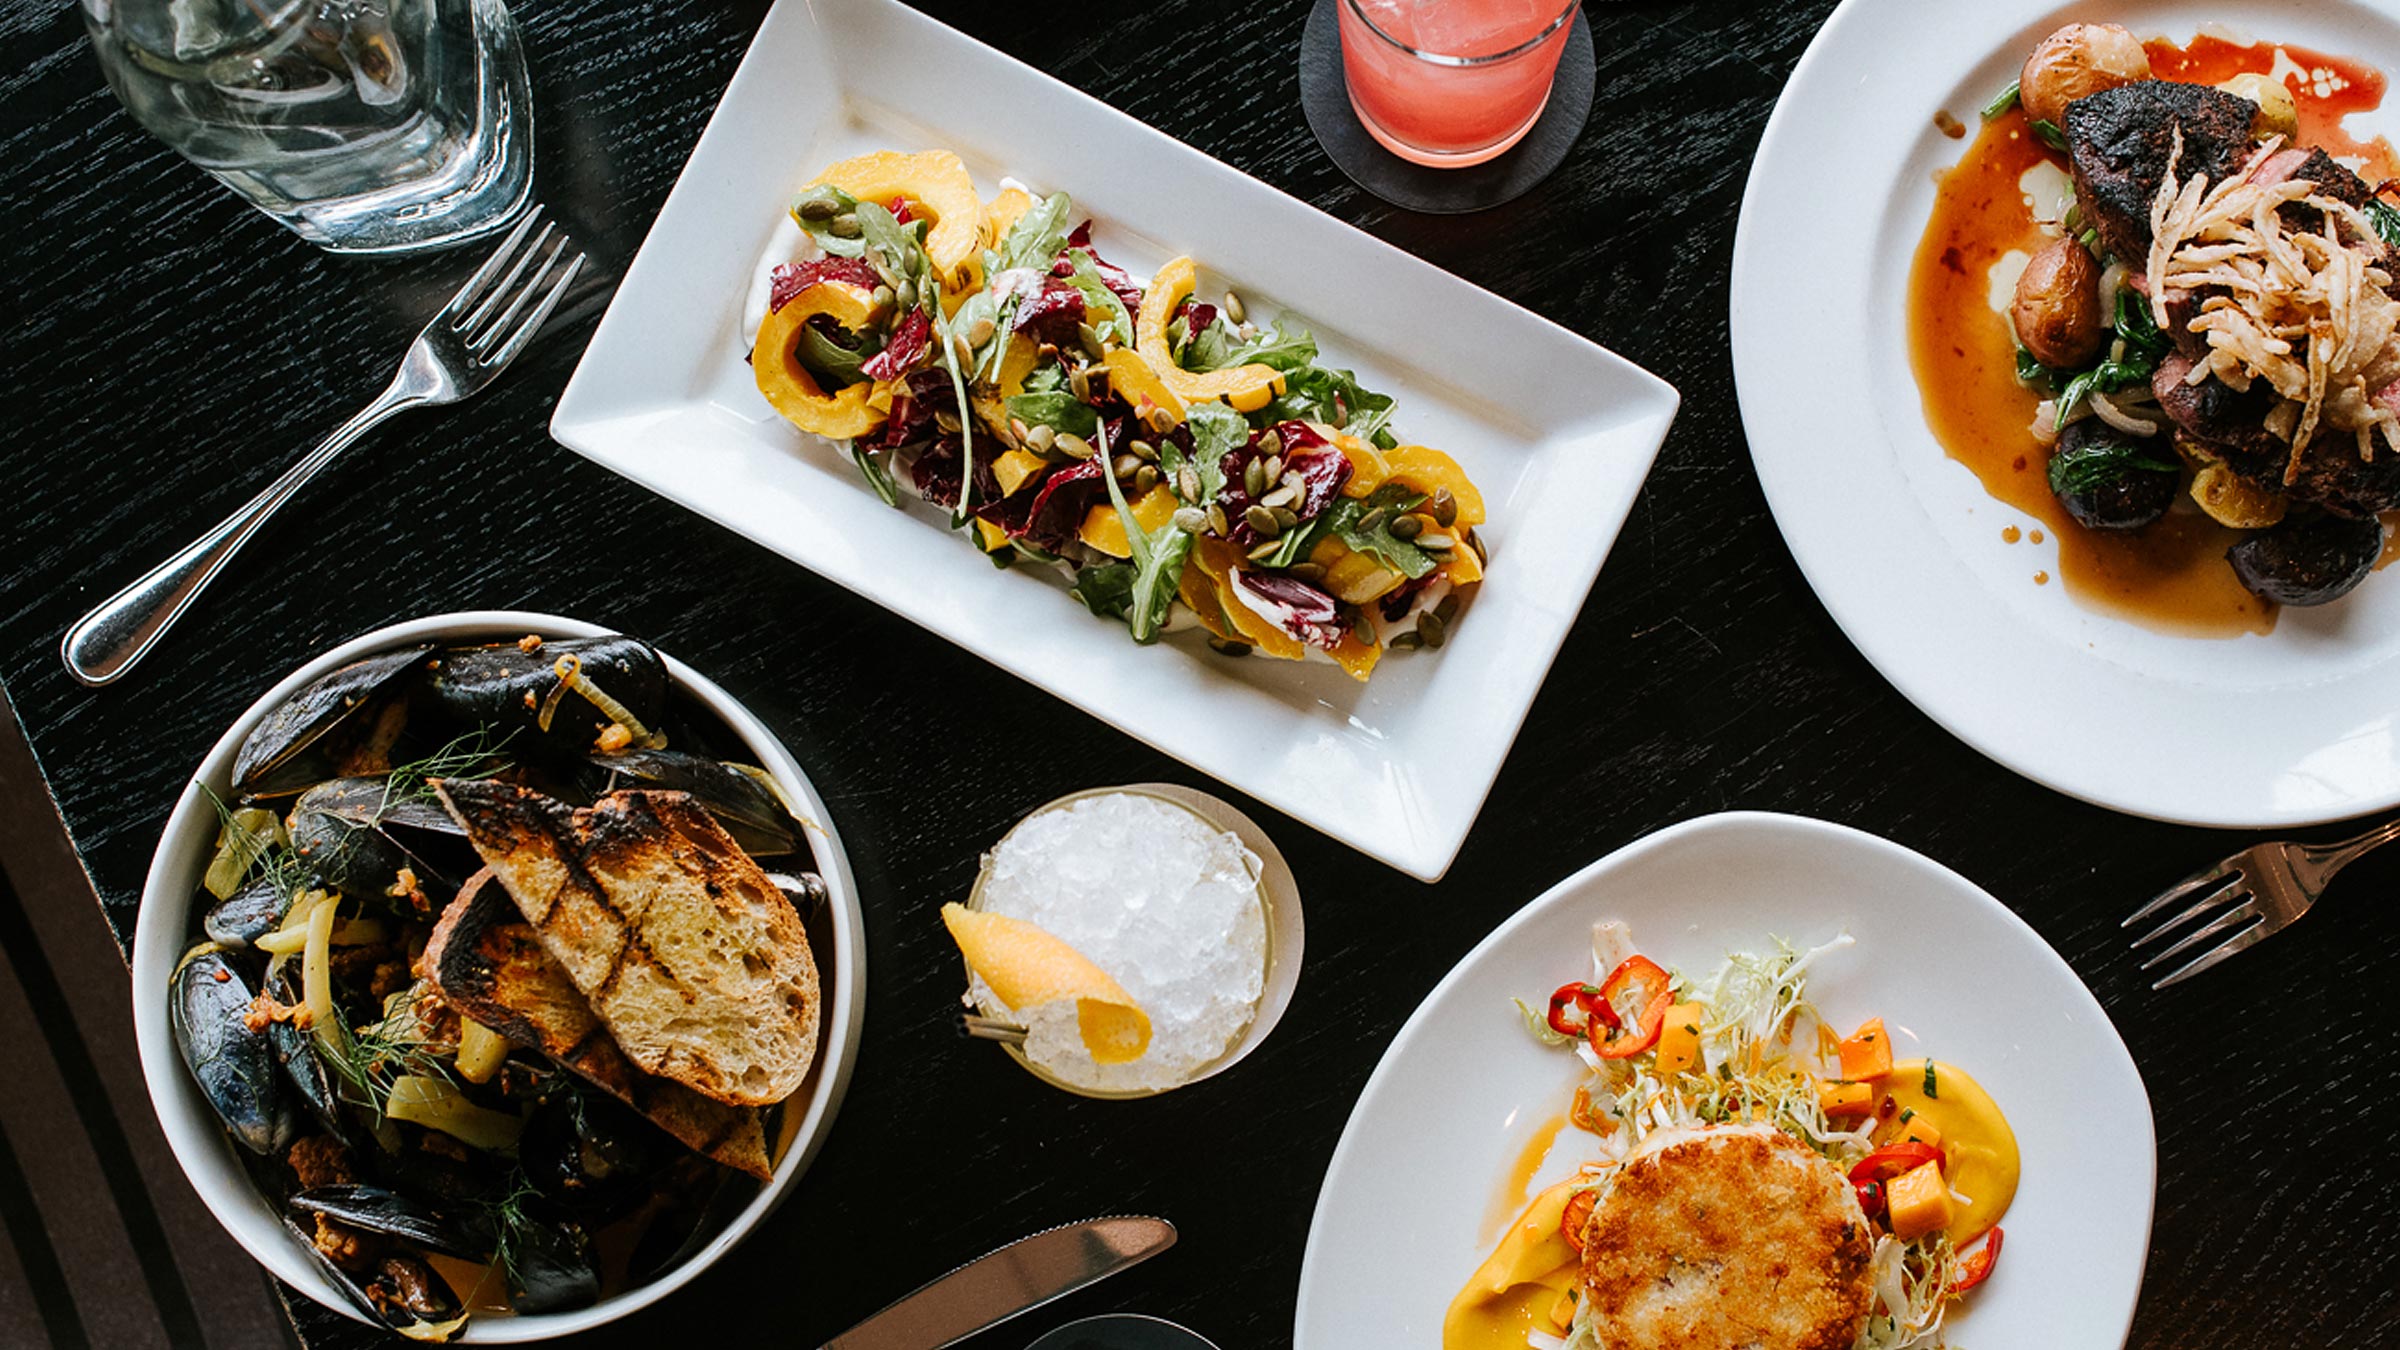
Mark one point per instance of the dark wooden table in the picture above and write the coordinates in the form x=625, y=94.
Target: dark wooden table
x=169, y=349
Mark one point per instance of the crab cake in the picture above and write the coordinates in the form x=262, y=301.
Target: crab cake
x=1725, y=1237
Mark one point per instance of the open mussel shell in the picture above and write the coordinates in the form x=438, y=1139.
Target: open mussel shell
x=398, y=1290
x=551, y=1269
x=508, y=688
x=304, y=1068
x=352, y=837
x=209, y=1010
x=344, y=723
x=742, y=799
x=248, y=914
x=587, y=1151
x=387, y=1213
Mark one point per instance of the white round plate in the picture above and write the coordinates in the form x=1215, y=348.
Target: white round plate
x=1903, y=545
x=163, y=932
x=1403, y=1217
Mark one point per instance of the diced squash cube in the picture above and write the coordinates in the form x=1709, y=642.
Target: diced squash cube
x=1679, y=1040
x=1015, y=469
x=1920, y=1201
x=1867, y=1053
x=1919, y=1128
x=1846, y=1101
x=989, y=537
x=1104, y=529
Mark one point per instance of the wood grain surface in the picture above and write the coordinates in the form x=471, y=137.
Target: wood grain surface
x=169, y=349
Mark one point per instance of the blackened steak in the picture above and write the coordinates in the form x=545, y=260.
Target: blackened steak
x=2119, y=141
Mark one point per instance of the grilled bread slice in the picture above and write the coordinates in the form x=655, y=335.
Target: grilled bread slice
x=487, y=963
x=693, y=958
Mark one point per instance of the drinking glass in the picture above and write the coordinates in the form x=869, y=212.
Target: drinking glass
x=1449, y=83
x=366, y=126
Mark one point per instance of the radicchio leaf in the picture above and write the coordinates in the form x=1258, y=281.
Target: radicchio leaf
x=1298, y=608
x=936, y=474
x=1114, y=277
x=792, y=278
x=901, y=210
x=1052, y=313
x=1055, y=509
x=908, y=344
x=1323, y=468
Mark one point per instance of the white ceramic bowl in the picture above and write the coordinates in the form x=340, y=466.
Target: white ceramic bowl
x=164, y=930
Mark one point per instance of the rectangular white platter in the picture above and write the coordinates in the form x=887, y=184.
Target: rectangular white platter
x=1557, y=432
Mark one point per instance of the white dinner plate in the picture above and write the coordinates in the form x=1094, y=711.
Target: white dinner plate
x=1557, y=432
x=1902, y=543
x=1403, y=1218
x=165, y=928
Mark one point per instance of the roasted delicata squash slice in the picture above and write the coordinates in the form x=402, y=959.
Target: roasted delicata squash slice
x=1248, y=388
x=775, y=363
x=1139, y=383
x=1001, y=212
x=936, y=184
x=1425, y=469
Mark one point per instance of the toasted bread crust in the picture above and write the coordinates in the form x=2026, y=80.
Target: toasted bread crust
x=1731, y=1237
x=693, y=958
x=488, y=964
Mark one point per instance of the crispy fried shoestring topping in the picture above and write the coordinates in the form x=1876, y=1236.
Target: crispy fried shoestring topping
x=2304, y=310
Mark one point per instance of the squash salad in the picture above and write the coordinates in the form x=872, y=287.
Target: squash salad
x=1182, y=466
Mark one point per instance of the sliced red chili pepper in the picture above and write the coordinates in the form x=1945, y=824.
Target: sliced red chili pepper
x=1976, y=1266
x=1870, y=1198
x=1577, y=994
x=1638, y=996
x=1893, y=1159
x=1578, y=1213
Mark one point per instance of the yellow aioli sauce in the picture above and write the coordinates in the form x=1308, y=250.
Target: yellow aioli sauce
x=1510, y=1198
x=1516, y=1289
x=1979, y=1150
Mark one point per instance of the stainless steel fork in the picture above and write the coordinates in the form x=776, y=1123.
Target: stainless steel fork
x=463, y=349
x=2255, y=893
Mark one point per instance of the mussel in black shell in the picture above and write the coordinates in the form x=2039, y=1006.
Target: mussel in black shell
x=742, y=798
x=354, y=836
x=346, y=722
x=209, y=1007
x=554, y=698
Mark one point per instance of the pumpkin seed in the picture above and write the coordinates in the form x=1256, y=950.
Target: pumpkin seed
x=1282, y=496
x=1341, y=414
x=1433, y=629
x=1445, y=508
x=1274, y=467
x=1161, y=421
x=1228, y=647
x=1074, y=445
x=1145, y=479
x=1306, y=571
x=1041, y=437
x=882, y=299
x=905, y=295
x=1286, y=518
x=844, y=226
x=1233, y=308
x=1262, y=522
x=1090, y=337
x=1020, y=432
x=1368, y=522
x=979, y=332
x=1264, y=551
x=1125, y=466
x=1254, y=478
x=1187, y=483
x=1218, y=525
x=1191, y=520
x=1080, y=385
x=1436, y=543
x=1407, y=526
x=1270, y=442
x=1404, y=642
x=1145, y=449
x=947, y=421
x=819, y=207
x=1448, y=609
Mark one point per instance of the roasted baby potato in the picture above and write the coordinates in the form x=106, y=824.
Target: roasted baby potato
x=2057, y=312
x=2278, y=115
x=2079, y=59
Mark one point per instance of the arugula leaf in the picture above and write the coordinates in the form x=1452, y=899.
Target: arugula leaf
x=1057, y=409
x=895, y=241
x=1322, y=394
x=1106, y=590
x=1346, y=522
x=870, y=466
x=1287, y=348
x=1217, y=431
x=2047, y=133
x=2007, y=99
x=1158, y=557
x=2386, y=219
x=1036, y=236
x=833, y=364
x=822, y=230
x=1109, y=317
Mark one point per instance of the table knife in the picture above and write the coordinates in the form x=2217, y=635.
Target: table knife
x=1018, y=1278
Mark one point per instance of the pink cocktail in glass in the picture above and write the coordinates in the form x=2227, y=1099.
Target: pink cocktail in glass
x=1450, y=83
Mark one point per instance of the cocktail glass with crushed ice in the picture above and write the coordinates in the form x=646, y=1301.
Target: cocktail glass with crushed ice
x=1167, y=890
